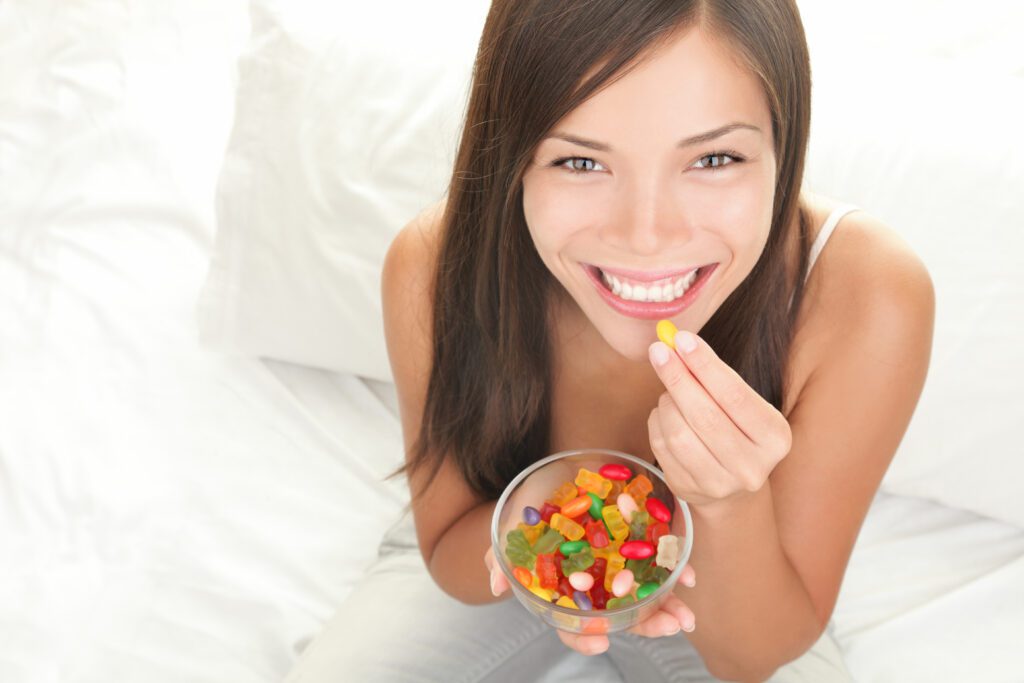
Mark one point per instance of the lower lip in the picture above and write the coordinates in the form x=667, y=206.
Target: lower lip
x=650, y=310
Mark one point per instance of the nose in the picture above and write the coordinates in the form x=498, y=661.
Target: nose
x=648, y=220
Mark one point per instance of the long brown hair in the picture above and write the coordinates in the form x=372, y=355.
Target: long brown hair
x=488, y=402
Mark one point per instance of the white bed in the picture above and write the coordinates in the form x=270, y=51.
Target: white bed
x=173, y=513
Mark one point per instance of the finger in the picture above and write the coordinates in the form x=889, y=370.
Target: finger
x=680, y=480
x=683, y=615
x=584, y=644
x=499, y=584
x=705, y=417
x=707, y=470
x=746, y=408
x=688, y=577
x=658, y=625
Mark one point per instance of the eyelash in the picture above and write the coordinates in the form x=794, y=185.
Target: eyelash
x=736, y=158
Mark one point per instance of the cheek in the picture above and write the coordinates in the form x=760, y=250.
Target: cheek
x=554, y=214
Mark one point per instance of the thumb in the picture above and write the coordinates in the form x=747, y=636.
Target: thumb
x=499, y=584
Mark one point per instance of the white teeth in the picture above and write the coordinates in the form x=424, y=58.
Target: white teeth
x=661, y=291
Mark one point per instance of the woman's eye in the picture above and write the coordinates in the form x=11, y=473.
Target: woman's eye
x=574, y=167
x=720, y=157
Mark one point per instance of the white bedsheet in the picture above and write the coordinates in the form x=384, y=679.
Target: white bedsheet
x=169, y=514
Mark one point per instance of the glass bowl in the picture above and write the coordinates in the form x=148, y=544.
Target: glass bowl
x=534, y=485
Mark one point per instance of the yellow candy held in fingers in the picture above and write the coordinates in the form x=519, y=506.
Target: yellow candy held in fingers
x=667, y=332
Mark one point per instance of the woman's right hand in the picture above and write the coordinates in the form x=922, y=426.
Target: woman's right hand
x=673, y=615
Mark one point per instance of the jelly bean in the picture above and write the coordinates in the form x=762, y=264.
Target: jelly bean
x=570, y=547
x=669, y=549
x=531, y=515
x=566, y=601
x=542, y=593
x=646, y=589
x=595, y=505
x=582, y=601
x=576, y=506
x=639, y=488
x=548, y=541
x=620, y=602
x=567, y=527
x=523, y=576
x=622, y=583
x=581, y=581
x=627, y=506
x=616, y=563
x=667, y=332
x=615, y=471
x=658, y=510
x=593, y=482
x=563, y=494
x=636, y=550
x=613, y=518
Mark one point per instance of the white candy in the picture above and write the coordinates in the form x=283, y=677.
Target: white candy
x=622, y=583
x=627, y=506
x=669, y=549
x=581, y=581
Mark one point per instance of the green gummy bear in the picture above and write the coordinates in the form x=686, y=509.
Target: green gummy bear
x=517, y=550
x=577, y=562
x=620, y=602
x=548, y=541
x=638, y=525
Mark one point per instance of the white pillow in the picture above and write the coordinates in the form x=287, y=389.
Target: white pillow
x=346, y=123
x=932, y=147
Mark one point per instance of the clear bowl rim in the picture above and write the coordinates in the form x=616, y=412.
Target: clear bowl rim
x=669, y=583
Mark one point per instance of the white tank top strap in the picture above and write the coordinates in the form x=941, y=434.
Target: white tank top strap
x=826, y=231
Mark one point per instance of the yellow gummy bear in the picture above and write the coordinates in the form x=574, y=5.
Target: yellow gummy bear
x=616, y=525
x=563, y=494
x=639, y=488
x=532, y=532
x=593, y=482
x=667, y=332
x=566, y=601
x=616, y=563
x=568, y=527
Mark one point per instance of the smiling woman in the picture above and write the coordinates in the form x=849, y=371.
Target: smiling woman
x=622, y=163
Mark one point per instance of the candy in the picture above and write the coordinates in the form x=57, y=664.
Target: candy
x=636, y=550
x=615, y=471
x=546, y=510
x=669, y=549
x=616, y=563
x=616, y=525
x=577, y=562
x=570, y=547
x=627, y=506
x=622, y=583
x=667, y=332
x=620, y=602
x=638, y=527
x=532, y=532
x=548, y=541
x=577, y=506
x=546, y=571
x=596, y=504
x=581, y=581
x=593, y=482
x=597, y=534
x=656, y=531
x=646, y=589
x=599, y=595
x=639, y=488
x=531, y=515
x=523, y=576
x=658, y=510
x=582, y=601
x=563, y=494
x=517, y=549
x=567, y=527
x=566, y=601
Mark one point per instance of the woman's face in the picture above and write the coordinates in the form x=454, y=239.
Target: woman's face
x=641, y=210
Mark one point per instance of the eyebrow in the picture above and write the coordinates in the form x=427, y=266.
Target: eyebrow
x=685, y=142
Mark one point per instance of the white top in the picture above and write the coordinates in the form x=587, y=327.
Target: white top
x=823, y=235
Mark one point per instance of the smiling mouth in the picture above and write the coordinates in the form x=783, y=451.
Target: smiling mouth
x=664, y=290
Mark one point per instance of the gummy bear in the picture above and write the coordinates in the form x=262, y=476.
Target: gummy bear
x=518, y=549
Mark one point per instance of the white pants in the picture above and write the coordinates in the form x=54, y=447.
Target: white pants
x=398, y=625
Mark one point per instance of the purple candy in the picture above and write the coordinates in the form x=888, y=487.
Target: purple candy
x=531, y=515
x=581, y=599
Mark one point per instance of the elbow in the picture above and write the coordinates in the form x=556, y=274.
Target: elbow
x=754, y=671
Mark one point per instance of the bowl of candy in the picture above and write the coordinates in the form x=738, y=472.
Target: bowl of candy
x=591, y=540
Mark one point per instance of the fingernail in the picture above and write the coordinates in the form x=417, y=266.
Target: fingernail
x=493, y=592
x=689, y=583
x=659, y=353
x=689, y=626
x=685, y=341
x=672, y=631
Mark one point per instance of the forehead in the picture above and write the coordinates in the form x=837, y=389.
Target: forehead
x=690, y=84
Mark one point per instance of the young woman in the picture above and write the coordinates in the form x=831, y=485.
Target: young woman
x=610, y=150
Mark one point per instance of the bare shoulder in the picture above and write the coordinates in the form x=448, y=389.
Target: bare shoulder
x=870, y=321
x=407, y=301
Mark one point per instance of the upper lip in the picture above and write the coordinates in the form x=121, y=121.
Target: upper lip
x=647, y=275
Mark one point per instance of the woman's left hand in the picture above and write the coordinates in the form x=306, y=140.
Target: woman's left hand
x=715, y=438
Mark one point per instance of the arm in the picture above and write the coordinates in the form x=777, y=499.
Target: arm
x=772, y=558
x=455, y=564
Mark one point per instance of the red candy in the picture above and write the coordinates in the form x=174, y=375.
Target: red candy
x=547, y=572
x=612, y=471
x=546, y=510
x=564, y=587
x=597, y=569
x=597, y=534
x=658, y=510
x=656, y=531
x=635, y=550
x=598, y=595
